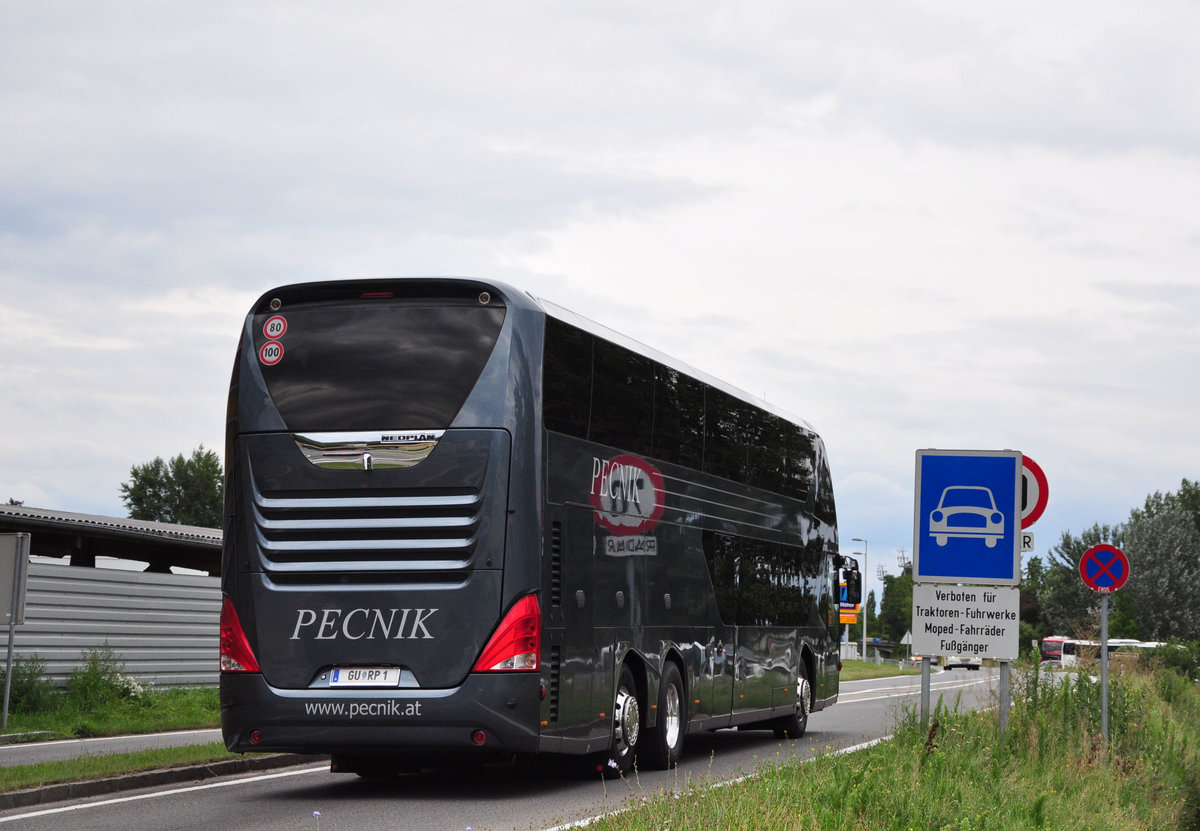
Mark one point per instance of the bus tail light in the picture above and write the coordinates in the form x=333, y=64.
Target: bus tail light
x=236, y=654
x=517, y=642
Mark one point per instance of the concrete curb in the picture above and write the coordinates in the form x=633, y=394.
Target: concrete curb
x=150, y=779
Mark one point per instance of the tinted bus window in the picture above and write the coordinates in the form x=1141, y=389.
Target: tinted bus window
x=622, y=398
x=678, y=418
x=721, y=552
x=567, y=385
x=797, y=461
x=724, y=450
x=378, y=365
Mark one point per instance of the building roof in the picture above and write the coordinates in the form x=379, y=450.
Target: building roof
x=83, y=537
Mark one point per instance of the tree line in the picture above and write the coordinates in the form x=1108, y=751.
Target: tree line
x=184, y=491
x=1158, y=602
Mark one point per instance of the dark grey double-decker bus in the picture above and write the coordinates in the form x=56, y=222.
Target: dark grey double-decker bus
x=463, y=522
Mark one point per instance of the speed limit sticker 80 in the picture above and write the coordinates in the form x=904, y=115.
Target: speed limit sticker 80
x=275, y=326
x=271, y=353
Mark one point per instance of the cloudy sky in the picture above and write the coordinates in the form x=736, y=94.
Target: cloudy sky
x=915, y=225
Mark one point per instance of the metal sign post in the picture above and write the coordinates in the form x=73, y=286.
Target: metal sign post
x=1104, y=667
x=970, y=512
x=14, y=568
x=924, y=691
x=1104, y=569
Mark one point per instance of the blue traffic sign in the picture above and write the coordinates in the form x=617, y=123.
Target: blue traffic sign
x=967, y=525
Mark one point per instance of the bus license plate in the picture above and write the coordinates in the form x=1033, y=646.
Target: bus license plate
x=364, y=677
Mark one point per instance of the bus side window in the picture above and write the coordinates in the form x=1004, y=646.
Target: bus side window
x=567, y=382
x=622, y=399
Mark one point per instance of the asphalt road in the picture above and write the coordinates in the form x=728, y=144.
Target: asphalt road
x=499, y=797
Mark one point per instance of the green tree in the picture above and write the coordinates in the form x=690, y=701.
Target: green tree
x=1068, y=606
x=1162, y=541
x=1186, y=498
x=1122, y=617
x=187, y=491
x=855, y=628
x=895, y=610
x=1032, y=625
x=1163, y=547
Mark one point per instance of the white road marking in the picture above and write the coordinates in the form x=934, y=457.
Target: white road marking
x=160, y=794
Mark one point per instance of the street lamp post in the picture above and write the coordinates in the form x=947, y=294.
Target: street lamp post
x=864, y=599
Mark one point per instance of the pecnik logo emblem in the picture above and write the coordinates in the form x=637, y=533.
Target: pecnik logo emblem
x=627, y=493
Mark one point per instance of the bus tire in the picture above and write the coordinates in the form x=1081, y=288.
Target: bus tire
x=794, y=725
x=663, y=744
x=627, y=725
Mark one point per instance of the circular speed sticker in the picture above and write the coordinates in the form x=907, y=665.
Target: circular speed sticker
x=271, y=353
x=275, y=327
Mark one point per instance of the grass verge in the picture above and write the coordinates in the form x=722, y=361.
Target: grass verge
x=155, y=711
x=1050, y=769
x=858, y=670
x=21, y=777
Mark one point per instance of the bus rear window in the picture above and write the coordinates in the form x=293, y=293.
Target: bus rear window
x=393, y=365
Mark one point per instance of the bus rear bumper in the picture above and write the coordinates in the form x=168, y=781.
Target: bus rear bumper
x=489, y=714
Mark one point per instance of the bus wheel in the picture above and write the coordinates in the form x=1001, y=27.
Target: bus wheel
x=627, y=725
x=664, y=742
x=793, y=726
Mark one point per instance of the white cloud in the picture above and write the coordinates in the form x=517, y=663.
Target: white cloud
x=914, y=224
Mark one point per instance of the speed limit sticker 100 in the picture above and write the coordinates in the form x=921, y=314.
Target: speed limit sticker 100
x=271, y=353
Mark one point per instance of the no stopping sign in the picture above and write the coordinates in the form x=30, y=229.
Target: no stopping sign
x=1104, y=568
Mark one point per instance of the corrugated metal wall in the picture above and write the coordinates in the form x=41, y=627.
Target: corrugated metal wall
x=165, y=627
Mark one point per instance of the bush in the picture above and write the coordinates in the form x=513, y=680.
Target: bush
x=1180, y=656
x=30, y=692
x=101, y=680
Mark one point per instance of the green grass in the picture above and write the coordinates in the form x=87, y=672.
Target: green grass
x=19, y=777
x=63, y=716
x=858, y=670
x=100, y=700
x=1050, y=769
x=151, y=712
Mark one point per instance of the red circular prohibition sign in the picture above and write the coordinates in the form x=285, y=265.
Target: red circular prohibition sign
x=1032, y=470
x=1104, y=568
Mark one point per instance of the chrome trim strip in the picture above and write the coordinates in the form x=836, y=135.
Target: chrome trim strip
x=301, y=503
x=369, y=566
x=364, y=524
x=375, y=450
x=371, y=437
x=299, y=535
x=364, y=545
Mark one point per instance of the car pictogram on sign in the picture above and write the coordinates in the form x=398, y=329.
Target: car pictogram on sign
x=967, y=511
x=967, y=517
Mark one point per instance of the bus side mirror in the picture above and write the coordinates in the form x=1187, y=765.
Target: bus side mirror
x=853, y=581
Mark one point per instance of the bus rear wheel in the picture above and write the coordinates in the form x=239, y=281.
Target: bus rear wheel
x=664, y=741
x=627, y=725
x=794, y=725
